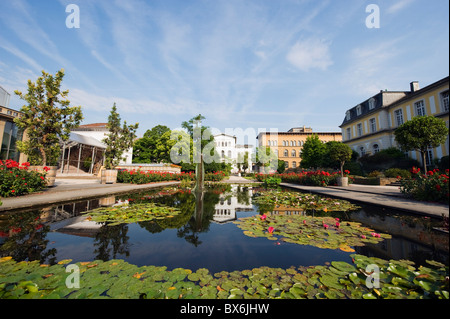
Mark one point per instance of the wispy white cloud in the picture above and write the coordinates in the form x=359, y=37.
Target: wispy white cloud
x=7, y=46
x=398, y=6
x=309, y=54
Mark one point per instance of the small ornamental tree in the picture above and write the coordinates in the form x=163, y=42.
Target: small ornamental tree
x=340, y=152
x=47, y=119
x=313, y=152
x=420, y=134
x=118, y=140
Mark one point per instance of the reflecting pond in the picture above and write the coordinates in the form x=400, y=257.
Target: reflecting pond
x=204, y=238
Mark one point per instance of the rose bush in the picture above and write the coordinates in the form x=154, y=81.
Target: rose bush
x=431, y=187
x=310, y=178
x=17, y=179
x=144, y=177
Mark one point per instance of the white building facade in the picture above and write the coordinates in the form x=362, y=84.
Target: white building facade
x=231, y=152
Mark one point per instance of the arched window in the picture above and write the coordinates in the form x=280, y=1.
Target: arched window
x=294, y=164
x=286, y=153
x=362, y=151
x=293, y=153
x=223, y=154
x=376, y=148
x=229, y=154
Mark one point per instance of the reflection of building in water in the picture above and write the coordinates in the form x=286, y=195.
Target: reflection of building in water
x=232, y=202
x=411, y=236
x=68, y=218
x=286, y=210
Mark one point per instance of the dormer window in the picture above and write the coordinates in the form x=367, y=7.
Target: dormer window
x=371, y=104
x=347, y=115
x=358, y=110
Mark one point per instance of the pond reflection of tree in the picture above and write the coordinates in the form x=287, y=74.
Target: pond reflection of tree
x=23, y=237
x=111, y=241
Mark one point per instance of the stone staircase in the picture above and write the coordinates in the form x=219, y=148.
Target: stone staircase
x=73, y=172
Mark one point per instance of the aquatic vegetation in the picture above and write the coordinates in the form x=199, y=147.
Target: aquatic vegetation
x=119, y=279
x=322, y=232
x=126, y=213
x=305, y=202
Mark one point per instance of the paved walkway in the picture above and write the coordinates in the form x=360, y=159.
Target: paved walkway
x=72, y=189
x=67, y=190
x=386, y=196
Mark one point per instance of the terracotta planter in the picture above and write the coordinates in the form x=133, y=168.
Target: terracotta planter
x=109, y=176
x=342, y=181
x=50, y=175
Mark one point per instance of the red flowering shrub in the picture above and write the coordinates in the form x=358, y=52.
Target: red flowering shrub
x=432, y=187
x=145, y=177
x=16, y=179
x=311, y=178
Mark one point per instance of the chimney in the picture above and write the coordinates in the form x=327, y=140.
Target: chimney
x=414, y=86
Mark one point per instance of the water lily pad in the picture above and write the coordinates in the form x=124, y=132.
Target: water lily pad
x=322, y=232
x=126, y=213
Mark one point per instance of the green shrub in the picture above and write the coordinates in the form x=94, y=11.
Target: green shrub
x=397, y=172
x=272, y=181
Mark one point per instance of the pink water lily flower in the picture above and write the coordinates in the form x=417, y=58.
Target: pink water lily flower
x=363, y=236
x=338, y=224
x=325, y=226
x=376, y=235
x=263, y=217
x=270, y=230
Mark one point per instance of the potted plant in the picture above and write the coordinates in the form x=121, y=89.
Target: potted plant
x=341, y=152
x=46, y=121
x=118, y=140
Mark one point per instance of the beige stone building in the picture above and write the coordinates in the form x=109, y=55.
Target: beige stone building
x=288, y=145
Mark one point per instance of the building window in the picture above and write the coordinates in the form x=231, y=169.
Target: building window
x=349, y=133
x=358, y=110
x=444, y=101
x=359, y=129
x=229, y=154
x=347, y=115
x=293, y=153
x=362, y=151
x=429, y=157
x=420, y=108
x=223, y=154
x=398, y=117
x=373, y=125
x=286, y=153
x=11, y=135
x=371, y=104
x=286, y=164
x=294, y=164
x=376, y=148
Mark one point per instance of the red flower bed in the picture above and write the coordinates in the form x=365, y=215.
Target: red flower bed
x=16, y=179
x=432, y=187
x=145, y=177
x=311, y=178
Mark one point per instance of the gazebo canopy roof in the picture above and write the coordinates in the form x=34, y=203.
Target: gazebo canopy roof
x=85, y=140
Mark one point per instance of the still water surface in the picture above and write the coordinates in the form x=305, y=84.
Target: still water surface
x=201, y=239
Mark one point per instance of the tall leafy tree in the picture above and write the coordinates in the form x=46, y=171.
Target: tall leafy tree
x=47, y=119
x=148, y=149
x=313, y=152
x=421, y=133
x=118, y=140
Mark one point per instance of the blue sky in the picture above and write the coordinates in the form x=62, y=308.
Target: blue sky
x=240, y=63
